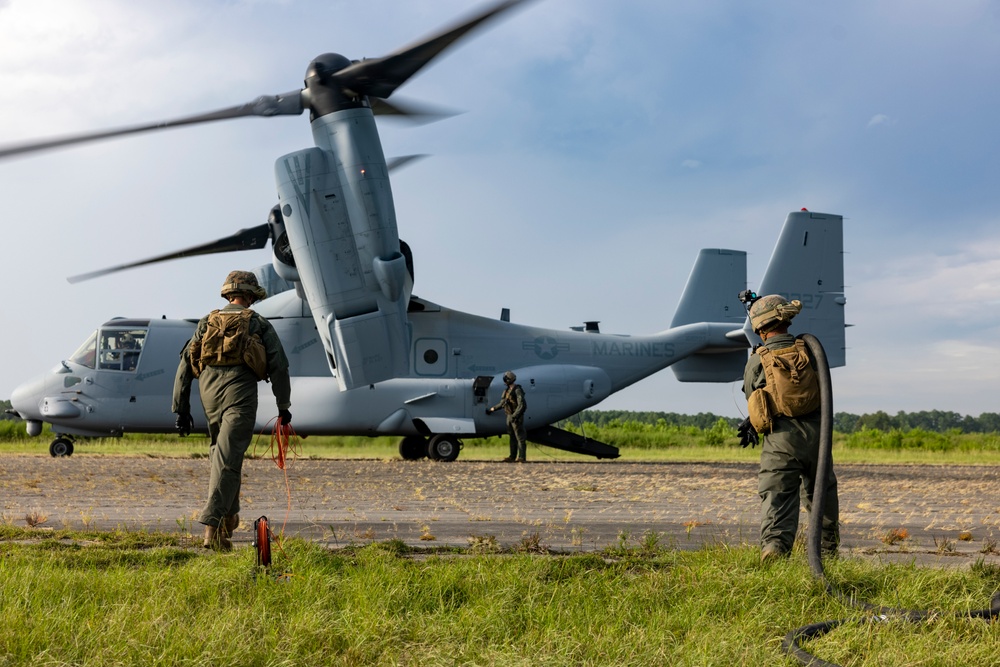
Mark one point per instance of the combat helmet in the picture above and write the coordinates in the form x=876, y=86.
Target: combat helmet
x=771, y=311
x=243, y=282
x=509, y=377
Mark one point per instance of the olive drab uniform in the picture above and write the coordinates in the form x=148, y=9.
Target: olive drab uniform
x=514, y=406
x=226, y=343
x=789, y=454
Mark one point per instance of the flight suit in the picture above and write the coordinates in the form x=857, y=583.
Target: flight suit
x=229, y=396
x=788, y=459
x=514, y=405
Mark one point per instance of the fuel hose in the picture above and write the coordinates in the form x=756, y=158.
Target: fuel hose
x=792, y=643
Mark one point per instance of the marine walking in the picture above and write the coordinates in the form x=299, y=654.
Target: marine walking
x=232, y=349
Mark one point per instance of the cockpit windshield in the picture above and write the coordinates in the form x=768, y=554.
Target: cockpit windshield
x=86, y=354
x=112, y=349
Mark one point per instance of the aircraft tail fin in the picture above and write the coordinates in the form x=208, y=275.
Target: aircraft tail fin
x=710, y=296
x=808, y=264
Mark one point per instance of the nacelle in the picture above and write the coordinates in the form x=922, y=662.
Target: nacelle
x=336, y=204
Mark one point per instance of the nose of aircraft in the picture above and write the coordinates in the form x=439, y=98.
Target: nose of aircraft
x=26, y=401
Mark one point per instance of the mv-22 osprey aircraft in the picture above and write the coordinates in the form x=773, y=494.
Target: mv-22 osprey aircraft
x=367, y=356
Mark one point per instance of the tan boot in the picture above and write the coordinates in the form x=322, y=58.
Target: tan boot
x=210, y=532
x=230, y=524
x=216, y=539
x=772, y=553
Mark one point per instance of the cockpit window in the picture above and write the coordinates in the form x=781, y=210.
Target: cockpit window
x=86, y=354
x=119, y=349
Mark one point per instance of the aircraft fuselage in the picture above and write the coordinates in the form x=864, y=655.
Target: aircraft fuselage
x=454, y=358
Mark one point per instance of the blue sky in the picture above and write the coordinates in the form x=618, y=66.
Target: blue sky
x=601, y=145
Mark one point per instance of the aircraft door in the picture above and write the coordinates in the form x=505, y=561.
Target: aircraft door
x=102, y=395
x=110, y=385
x=149, y=386
x=430, y=356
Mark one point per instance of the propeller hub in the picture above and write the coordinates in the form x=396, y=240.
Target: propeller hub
x=324, y=66
x=326, y=92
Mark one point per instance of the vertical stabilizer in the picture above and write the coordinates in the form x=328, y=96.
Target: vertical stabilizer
x=808, y=264
x=709, y=296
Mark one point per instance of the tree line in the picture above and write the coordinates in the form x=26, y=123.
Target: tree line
x=935, y=421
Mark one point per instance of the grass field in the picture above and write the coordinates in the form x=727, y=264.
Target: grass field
x=126, y=598
x=129, y=599
x=637, y=441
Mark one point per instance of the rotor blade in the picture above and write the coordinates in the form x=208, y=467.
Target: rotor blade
x=415, y=113
x=379, y=77
x=266, y=105
x=245, y=239
x=402, y=161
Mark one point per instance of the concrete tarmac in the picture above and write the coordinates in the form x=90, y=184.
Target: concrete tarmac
x=950, y=514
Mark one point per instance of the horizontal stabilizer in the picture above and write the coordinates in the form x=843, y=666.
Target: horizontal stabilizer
x=711, y=367
x=710, y=293
x=710, y=296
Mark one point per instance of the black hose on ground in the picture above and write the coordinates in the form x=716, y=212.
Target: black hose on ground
x=792, y=643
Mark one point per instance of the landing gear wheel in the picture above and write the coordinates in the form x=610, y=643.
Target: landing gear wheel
x=444, y=447
x=413, y=447
x=61, y=446
x=262, y=541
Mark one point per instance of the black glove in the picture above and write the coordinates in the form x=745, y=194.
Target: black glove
x=184, y=423
x=285, y=416
x=747, y=433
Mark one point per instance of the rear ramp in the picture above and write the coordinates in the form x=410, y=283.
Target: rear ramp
x=572, y=442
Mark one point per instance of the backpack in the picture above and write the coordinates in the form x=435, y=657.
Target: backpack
x=791, y=389
x=227, y=341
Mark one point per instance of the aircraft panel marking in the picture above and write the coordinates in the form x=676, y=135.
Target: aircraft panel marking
x=628, y=349
x=143, y=376
x=545, y=347
x=302, y=346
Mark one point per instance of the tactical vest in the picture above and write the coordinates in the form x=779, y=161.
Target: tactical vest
x=509, y=399
x=791, y=389
x=227, y=341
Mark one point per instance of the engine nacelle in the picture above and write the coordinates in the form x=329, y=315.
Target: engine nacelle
x=336, y=206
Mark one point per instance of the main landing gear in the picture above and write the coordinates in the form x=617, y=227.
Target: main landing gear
x=442, y=447
x=61, y=446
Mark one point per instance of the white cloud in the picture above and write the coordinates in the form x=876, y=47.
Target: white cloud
x=880, y=119
x=953, y=287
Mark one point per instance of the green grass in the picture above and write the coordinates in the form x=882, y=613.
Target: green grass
x=497, y=448
x=123, y=598
x=637, y=441
x=129, y=599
